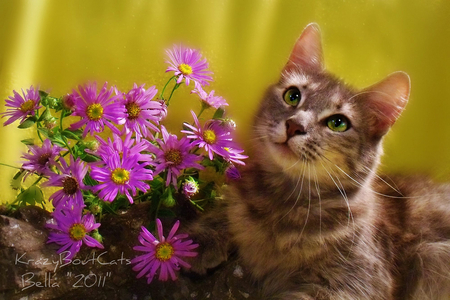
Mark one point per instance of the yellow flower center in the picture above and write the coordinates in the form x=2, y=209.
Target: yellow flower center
x=173, y=156
x=209, y=136
x=94, y=112
x=77, y=232
x=120, y=176
x=44, y=158
x=185, y=69
x=133, y=110
x=27, y=106
x=164, y=251
x=70, y=185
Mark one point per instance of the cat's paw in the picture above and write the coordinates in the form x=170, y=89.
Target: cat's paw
x=212, y=250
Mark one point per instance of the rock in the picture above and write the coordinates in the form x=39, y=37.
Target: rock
x=31, y=269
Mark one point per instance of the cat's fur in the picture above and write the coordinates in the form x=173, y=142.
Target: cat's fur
x=310, y=218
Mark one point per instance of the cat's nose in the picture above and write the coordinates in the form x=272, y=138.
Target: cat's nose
x=293, y=129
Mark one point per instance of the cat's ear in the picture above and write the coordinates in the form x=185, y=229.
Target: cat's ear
x=386, y=101
x=307, y=52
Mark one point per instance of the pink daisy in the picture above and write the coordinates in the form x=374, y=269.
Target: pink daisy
x=142, y=113
x=119, y=145
x=209, y=99
x=71, y=181
x=97, y=110
x=188, y=64
x=174, y=156
x=162, y=254
x=42, y=159
x=213, y=136
x=22, y=106
x=121, y=174
x=71, y=230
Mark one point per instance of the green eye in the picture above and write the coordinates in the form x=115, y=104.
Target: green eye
x=338, y=123
x=292, y=96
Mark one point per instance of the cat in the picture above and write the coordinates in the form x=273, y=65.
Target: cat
x=310, y=218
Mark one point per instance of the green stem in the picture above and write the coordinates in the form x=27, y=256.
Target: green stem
x=63, y=114
x=196, y=205
x=10, y=166
x=37, y=181
x=164, y=88
x=173, y=90
x=38, y=124
x=201, y=110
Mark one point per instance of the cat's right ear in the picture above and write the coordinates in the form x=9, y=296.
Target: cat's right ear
x=307, y=52
x=386, y=100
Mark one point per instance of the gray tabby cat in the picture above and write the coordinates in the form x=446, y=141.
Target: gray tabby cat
x=310, y=218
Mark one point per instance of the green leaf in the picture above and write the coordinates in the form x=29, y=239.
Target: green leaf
x=70, y=135
x=32, y=195
x=28, y=123
x=44, y=131
x=89, y=157
x=168, y=200
x=88, y=180
x=43, y=94
x=29, y=142
x=219, y=113
x=46, y=114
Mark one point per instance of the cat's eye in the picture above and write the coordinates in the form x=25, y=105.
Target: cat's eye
x=292, y=96
x=338, y=123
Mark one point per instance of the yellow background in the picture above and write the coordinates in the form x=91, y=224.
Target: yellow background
x=59, y=44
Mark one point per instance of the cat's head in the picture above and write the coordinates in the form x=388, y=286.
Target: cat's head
x=310, y=121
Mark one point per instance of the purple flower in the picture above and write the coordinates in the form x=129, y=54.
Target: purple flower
x=209, y=100
x=141, y=111
x=97, y=110
x=214, y=137
x=121, y=174
x=235, y=155
x=71, y=181
x=71, y=228
x=22, y=106
x=174, y=156
x=232, y=173
x=41, y=159
x=187, y=63
x=190, y=187
x=119, y=145
x=162, y=254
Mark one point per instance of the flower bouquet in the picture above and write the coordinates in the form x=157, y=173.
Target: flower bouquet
x=103, y=150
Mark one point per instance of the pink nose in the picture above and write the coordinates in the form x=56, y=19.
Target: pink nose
x=293, y=129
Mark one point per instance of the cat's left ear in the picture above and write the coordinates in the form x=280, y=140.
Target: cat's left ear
x=307, y=52
x=386, y=101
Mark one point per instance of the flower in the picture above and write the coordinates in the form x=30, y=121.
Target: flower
x=213, y=136
x=141, y=111
x=209, y=100
x=41, y=159
x=235, y=155
x=190, y=187
x=118, y=145
x=174, y=156
x=121, y=174
x=232, y=173
x=187, y=63
x=22, y=106
x=71, y=181
x=162, y=254
x=71, y=228
x=97, y=110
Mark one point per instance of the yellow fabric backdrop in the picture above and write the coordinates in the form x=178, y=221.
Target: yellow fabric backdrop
x=59, y=44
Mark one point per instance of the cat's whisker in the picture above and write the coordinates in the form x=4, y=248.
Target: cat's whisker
x=309, y=204
x=316, y=181
x=302, y=177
